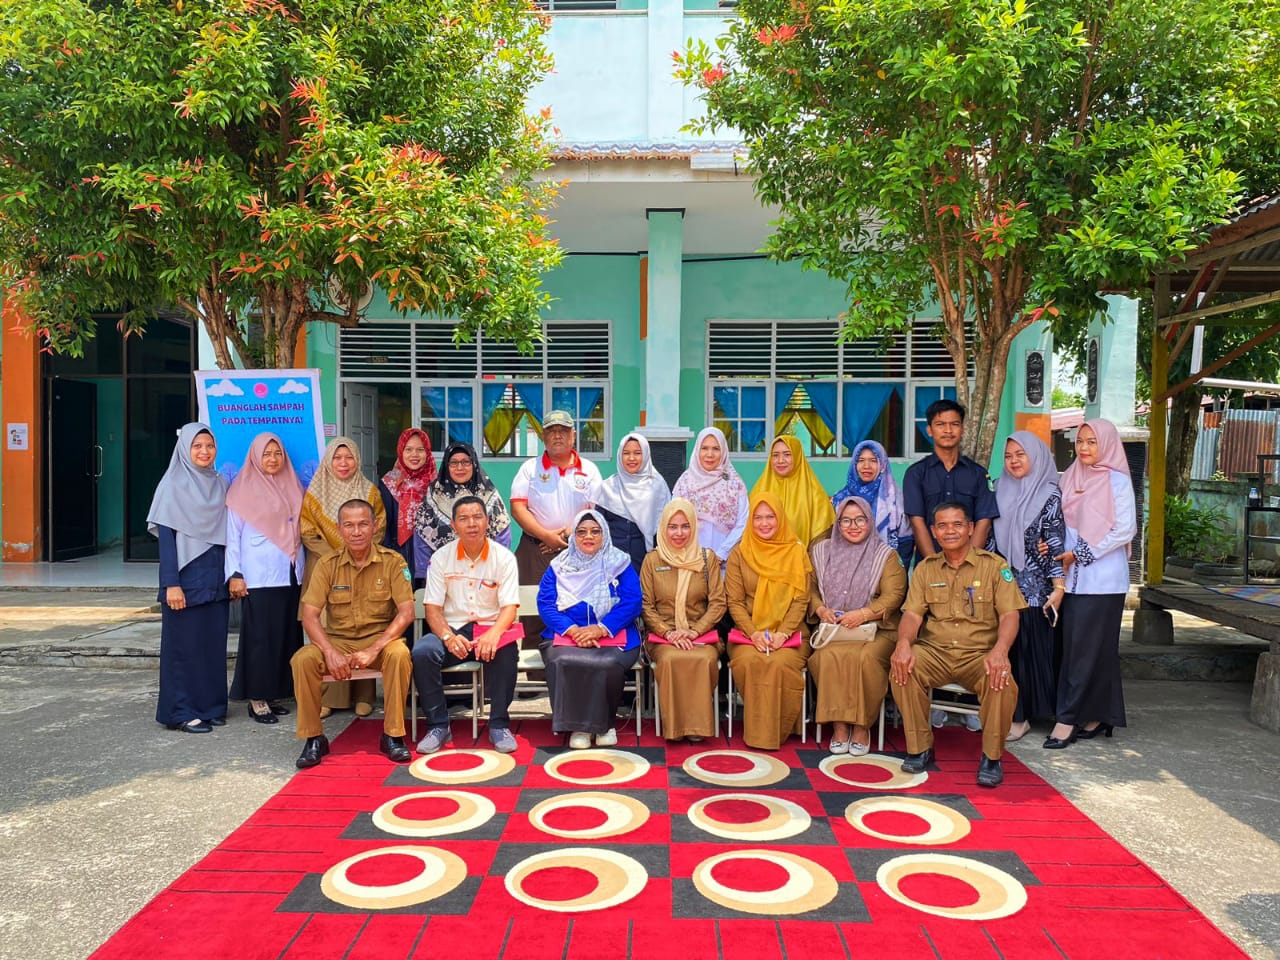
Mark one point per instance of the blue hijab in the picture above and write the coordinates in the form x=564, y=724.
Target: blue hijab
x=881, y=493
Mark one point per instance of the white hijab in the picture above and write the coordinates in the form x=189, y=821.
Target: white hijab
x=581, y=577
x=638, y=496
x=190, y=500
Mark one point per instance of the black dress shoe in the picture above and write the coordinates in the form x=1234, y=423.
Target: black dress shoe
x=191, y=726
x=394, y=748
x=218, y=721
x=990, y=773
x=917, y=762
x=1058, y=743
x=257, y=717
x=278, y=710
x=312, y=751
x=1102, y=729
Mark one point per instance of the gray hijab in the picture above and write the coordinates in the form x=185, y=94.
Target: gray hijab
x=190, y=500
x=849, y=573
x=1021, y=501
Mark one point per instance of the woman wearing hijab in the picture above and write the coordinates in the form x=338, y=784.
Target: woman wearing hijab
x=631, y=501
x=858, y=579
x=589, y=600
x=1097, y=502
x=1031, y=514
x=264, y=569
x=188, y=517
x=338, y=480
x=716, y=491
x=871, y=479
x=461, y=476
x=767, y=583
x=792, y=480
x=683, y=601
x=403, y=489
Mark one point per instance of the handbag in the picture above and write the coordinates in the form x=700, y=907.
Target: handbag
x=835, y=633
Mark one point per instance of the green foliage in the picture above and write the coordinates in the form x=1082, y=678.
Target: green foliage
x=236, y=157
x=1195, y=533
x=998, y=161
x=1066, y=399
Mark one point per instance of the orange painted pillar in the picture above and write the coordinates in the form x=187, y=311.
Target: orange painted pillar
x=22, y=508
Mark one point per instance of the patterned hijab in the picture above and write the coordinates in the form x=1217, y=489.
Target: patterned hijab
x=1087, y=501
x=638, y=496
x=270, y=504
x=715, y=494
x=1021, y=501
x=409, y=487
x=586, y=578
x=434, y=520
x=807, y=505
x=190, y=500
x=781, y=563
x=330, y=492
x=686, y=560
x=851, y=572
x=881, y=493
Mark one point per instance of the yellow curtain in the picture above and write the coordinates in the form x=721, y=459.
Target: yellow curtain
x=817, y=428
x=500, y=425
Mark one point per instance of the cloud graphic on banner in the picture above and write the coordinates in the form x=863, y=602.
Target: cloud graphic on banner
x=293, y=386
x=224, y=388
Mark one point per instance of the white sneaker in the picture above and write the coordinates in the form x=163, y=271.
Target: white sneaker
x=972, y=723
x=579, y=741
x=607, y=739
x=937, y=718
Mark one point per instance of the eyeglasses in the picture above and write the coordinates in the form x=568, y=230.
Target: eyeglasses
x=853, y=522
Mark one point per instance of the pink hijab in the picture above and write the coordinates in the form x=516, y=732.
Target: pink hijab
x=269, y=504
x=1087, y=503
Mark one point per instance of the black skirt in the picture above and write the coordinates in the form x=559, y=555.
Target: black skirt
x=1035, y=667
x=585, y=684
x=193, y=663
x=1089, y=685
x=269, y=635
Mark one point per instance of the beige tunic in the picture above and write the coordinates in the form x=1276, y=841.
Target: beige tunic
x=686, y=678
x=772, y=685
x=853, y=677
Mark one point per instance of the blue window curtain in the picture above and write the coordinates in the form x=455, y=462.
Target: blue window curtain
x=490, y=396
x=823, y=396
x=782, y=394
x=753, y=417
x=588, y=397
x=461, y=409
x=531, y=395
x=863, y=404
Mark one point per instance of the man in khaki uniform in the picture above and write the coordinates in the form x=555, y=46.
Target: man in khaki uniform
x=958, y=622
x=368, y=593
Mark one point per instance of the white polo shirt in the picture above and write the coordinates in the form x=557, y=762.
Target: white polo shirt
x=472, y=591
x=556, y=496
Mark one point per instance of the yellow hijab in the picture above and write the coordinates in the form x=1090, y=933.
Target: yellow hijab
x=781, y=563
x=686, y=560
x=806, y=505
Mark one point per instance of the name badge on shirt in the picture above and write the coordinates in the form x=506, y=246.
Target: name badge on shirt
x=340, y=586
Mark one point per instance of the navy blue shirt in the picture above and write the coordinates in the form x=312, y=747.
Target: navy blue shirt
x=928, y=483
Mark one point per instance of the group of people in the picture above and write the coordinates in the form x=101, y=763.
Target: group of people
x=785, y=578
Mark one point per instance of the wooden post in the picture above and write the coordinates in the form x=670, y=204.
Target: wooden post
x=1156, y=424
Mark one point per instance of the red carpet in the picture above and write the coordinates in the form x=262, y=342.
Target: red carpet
x=689, y=851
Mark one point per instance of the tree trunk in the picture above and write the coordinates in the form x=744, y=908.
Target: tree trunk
x=1184, y=428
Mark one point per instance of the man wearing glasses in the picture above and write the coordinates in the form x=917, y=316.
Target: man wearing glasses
x=958, y=622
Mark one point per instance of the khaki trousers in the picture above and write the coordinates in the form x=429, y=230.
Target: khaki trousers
x=936, y=666
x=309, y=666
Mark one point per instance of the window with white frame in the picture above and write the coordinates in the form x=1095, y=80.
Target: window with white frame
x=488, y=393
x=772, y=377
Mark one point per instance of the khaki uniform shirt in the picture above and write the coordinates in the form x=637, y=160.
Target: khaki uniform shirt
x=359, y=603
x=962, y=606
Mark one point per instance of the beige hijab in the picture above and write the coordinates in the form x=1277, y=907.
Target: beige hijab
x=685, y=560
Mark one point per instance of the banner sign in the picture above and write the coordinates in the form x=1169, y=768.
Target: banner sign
x=240, y=404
